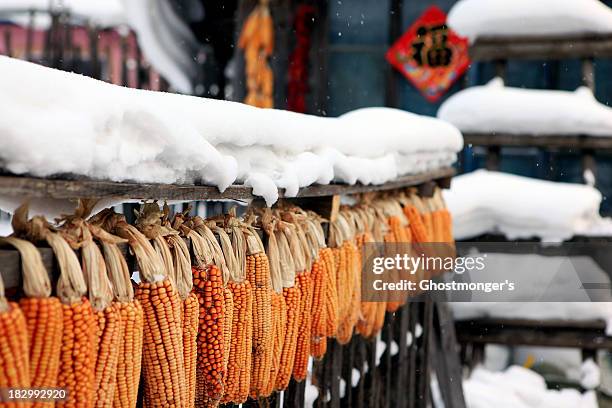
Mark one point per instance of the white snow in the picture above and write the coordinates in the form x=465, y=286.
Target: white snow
x=474, y=18
x=494, y=108
x=521, y=207
x=67, y=123
x=519, y=387
x=590, y=375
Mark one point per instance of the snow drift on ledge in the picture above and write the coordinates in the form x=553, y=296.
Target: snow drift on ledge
x=494, y=108
x=53, y=122
x=519, y=387
x=475, y=18
x=520, y=207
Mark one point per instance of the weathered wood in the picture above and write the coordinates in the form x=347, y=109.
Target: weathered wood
x=589, y=335
x=65, y=189
x=445, y=354
x=588, y=73
x=403, y=363
x=423, y=369
x=551, y=47
x=493, y=158
x=544, y=141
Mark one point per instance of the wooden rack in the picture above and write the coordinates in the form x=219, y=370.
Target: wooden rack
x=499, y=50
x=551, y=47
x=588, y=336
x=399, y=379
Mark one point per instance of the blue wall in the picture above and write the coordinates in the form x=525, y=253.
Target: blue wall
x=358, y=40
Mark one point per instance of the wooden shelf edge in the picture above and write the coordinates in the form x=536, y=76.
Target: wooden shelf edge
x=587, y=45
x=32, y=187
x=543, y=141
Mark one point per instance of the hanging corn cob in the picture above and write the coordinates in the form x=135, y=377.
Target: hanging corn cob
x=181, y=260
x=108, y=319
x=237, y=379
x=127, y=376
x=322, y=312
x=282, y=270
x=43, y=315
x=79, y=340
x=232, y=264
x=348, y=276
x=164, y=375
x=258, y=275
x=79, y=327
x=257, y=41
x=14, y=367
x=363, y=223
x=79, y=335
x=298, y=245
x=208, y=285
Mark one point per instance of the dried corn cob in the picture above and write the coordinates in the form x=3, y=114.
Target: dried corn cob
x=302, y=351
x=181, y=260
x=258, y=275
x=78, y=349
x=279, y=321
x=331, y=293
x=127, y=376
x=108, y=320
x=14, y=360
x=209, y=287
x=163, y=363
x=239, y=364
x=43, y=315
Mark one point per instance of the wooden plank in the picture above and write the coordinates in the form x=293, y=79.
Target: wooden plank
x=544, y=141
x=402, y=357
x=335, y=369
x=535, y=333
x=546, y=47
x=66, y=189
x=423, y=379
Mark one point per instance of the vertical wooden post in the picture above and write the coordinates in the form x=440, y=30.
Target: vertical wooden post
x=395, y=30
x=588, y=156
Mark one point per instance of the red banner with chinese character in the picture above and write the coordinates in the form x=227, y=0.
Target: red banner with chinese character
x=430, y=54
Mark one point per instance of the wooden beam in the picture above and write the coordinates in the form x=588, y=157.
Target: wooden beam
x=30, y=187
x=543, y=141
x=547, y=47
x=586, y=335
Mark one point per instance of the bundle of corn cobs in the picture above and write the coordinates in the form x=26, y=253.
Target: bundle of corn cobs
x=220, y=310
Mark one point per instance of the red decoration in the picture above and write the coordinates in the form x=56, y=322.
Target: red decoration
x=430, y=55
x=297, y=88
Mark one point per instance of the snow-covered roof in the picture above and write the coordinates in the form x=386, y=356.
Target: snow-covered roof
x=520, y=207
x=494, y=108
x=66, y=123
x=475, y=18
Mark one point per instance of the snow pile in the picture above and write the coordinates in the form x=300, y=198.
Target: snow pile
x=519, y=207
x=494, y=108
x=474, y=18
x=519, y=387
x=67, y=123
